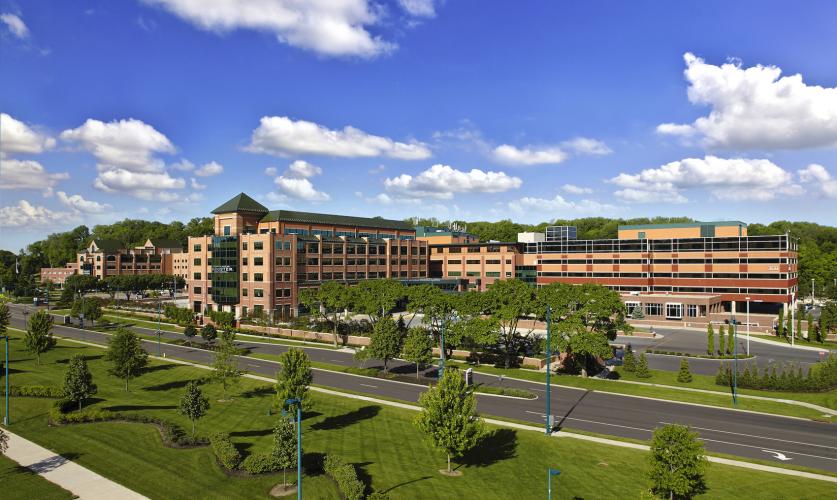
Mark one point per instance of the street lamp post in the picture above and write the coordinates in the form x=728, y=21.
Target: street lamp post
x=298, y=403
x=550, y=472
x=159, y=332
x=748, y=325
x=6, y=420
x=793, y=318
x=734, y=359
x=548, y=370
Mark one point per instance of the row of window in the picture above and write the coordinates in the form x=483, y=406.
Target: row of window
x=776, y=260
x=456, y=262
x=473, y=249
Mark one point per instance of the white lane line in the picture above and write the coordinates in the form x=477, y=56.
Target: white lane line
x=760, y=437
x=367, y=385
x=612, y=425
x=536, y=413
x=539, y=390
x=761, y=448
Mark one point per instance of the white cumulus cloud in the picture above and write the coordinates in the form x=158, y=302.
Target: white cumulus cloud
x=724, y=178
x=587, y=146
x=27, y=174
x=15, y=25
x=209, y=169
x=528, y=155
x=529, y=204
x=418, y=8
x=326, y=27
x=283, y=136
x=573, y=189
x=143, y=185
x=819, y=179
x=294, y=183
x=79, y=204
x=757, y=108
x=25, y=215
x=128, y=144
x=443, y=181
x=18, y=137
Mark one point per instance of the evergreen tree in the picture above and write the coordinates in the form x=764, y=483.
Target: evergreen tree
x=385, y=343
x=798, y=331
x=126, y=355
x=684, y=376
x=449, y=415
x=629, y=363
x=780, y=323
x=38, y=338
x=78, y=381
x=721, y=339
x=637, y=313
x=678, y=462
x=810, y=332
x=209, y=332
x=418, y=348
x=193, y=404
x=642, y=367
x=284, y=446
x=294, y=378
x=731, y=339
x=710, y=340
x=789, y=326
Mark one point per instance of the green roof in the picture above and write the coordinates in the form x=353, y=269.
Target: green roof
x=165, y=243
x=108, y=245
x=241, y=203
x=685, y=224
x=335, y=220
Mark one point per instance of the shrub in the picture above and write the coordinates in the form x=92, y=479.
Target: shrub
x=260, y=463
x=345, y=476
x=227, y=454
x=377, y=495
x=684, y=376
x=33, y=391
x=629, y=363
x=642, y=367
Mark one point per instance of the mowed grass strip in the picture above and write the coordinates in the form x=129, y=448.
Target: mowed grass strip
x=20, y=483
x=381, y=441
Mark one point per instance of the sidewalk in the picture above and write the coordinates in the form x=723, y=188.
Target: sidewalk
x=80, y=481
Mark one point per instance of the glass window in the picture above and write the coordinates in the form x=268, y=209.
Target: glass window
x=452, y=262
x=653, y=309
x=196, y=247
x=196, y=276
x=196, y=261
x=244, y=276
x=258, y=261
x=244, y=245
x=258, y=277
x=243, y=292
x=258, y=245
x=692, y=310
x=196, y=289
x=454, y=273
x=226, y=230
x=674, y=311
x=258, y=292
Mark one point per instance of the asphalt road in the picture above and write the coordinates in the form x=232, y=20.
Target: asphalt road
x=679, y=340
x=766, y=437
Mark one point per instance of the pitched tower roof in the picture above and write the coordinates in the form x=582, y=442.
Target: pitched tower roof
x=241, y=203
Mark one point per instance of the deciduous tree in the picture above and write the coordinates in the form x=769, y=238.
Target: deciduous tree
x=225, y=365
x=508, y=301
x=78, y=381
x=418, y=348
x=376, y=298
x=208, y=332
x=294, y=377
x=193, y=404
x=677, y=461
x=126, y=355
x=189, y=332
x=385, y=342
x=38, y=338
x=328, y=301
x=449, y=415
x=284, y=446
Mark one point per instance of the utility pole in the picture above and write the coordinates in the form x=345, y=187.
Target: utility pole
x=748, y=326
x=793, y=317
x=548, y=370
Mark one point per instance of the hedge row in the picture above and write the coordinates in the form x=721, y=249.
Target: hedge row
x=225, y=451
x=172, y=434
x=33, y=391
x=820, y=377
x=260, y=463
x=345, y=476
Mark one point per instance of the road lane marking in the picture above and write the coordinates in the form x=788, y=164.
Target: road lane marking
x=759, y=448
x=777, y=455
x=536, y=413
x=367, y=385
x=759, y=437
x=612, y=425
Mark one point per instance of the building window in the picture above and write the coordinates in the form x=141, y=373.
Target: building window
x=196, y=289
x=197, y=261
x=653, y=309
x=674, y=311
x=692, y=310
x=472, y=273
x=455, y=250
x=258, y=292
x=258, y=261
x=244, y=277
x=244, y=292
x=196, y=276
x=258, y=277
x=454, y=273
x=630, y=306
x=452, y=262
x=244, y=245
x=196, y=247
x=492, y=274
x=472, y=261
x=258, y=245
x=226, y=230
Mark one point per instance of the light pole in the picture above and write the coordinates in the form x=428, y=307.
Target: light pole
x=734, y=359
x=812, y=292
x=793, y=318
x=6, y=420
x=548, y=370
x=550, y=472
x=748, y=325
x=298, y=404
x=159, y=332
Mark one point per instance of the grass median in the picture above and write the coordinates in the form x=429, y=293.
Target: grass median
x=390, y=453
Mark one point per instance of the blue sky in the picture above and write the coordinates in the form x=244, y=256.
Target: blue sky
x=467, y=110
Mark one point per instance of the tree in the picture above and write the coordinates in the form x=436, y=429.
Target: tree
x=225, y=365
x=90, y=307
x=78, y=381
x=629, y=363
x=284, y=446
x=189, y=332
x=780, y=323
x=126, y=355
x=376, y=298
x=678, y=462
x=225, y=321
x=329, y=300
x=789, y=326
x=810, y=332
x=449, y=415
x=294, y=378
x=38, y=338
x=642, y=367
x=798, y=331
x=508, y=301
x=193, y=404
x=684, y=376
x=730, y=338
x=386, y=340
x=418, y=348
x=5, y=317
x=710, y=340
x=208, y=332
x=721, y=339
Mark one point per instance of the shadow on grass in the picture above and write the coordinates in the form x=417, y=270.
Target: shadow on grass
x=312, y=463
x=364, y=476
x=174, y=384
x=139, y=407
x=253, y=433
x=405, y=483
x=156, y=368
x=347, y=419
x=501, y=444
x=258, y=392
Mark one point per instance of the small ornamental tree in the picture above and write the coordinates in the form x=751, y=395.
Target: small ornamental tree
x=449, y=415
x=225, y=366
x=798, y=331
x=629, y=363
x=209, y=333
x=637, y=313
x=38, y=338
x=385, y=343
x=642, y=367
x=78, y=381
x=126, y=355
x=731, y=338
x=684, y=376
x=722, y=337
x=5, y=317
x=678, y=462
x=809, y=334
x=418, y=348
x=710, y=340
x=294, y=378
x=284, y=447
x=189, y=332
x=193, y=404
x=780, y=323
x=789, y=326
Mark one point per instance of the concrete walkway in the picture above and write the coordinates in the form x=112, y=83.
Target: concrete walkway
x=80, y=481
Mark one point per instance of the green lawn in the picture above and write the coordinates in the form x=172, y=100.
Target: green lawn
x=390, y=453
x=828, y=344
x=19, y=483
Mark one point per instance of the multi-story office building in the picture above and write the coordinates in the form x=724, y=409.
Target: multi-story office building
x=695, y=260
x=258, y=260
x=103, y=258
x=442, y=236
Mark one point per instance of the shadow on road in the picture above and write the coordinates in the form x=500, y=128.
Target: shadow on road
x=560, y=424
